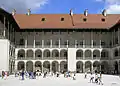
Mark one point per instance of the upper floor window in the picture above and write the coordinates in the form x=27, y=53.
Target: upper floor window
x=22, y=42
x=62, y=19
x=84, y=19
x=43, y=19
x=103, y=20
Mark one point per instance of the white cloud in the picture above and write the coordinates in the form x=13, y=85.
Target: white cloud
x=21, y=6
x=113, y=9
x=112, y=6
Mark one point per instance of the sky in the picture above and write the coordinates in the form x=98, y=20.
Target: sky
x=61, y=6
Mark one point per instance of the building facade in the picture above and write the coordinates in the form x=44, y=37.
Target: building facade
x=60, y=42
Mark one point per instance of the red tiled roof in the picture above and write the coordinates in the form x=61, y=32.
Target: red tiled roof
x=54, y=21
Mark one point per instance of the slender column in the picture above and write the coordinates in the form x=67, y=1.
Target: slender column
x=4, y=26
x=8, y=30
x=58, y=67
x=84, y=44
x=42, y=43
x=25, y=54
x=51, y=43
x=42, y=67
x=83, y=67
x=92, y=43
x=26, y=43
x=34, y=54
x=34, y=42
x=92, y=67
x=24, y=66
x=59, y=42
x=67, y=43
x=75, y=43
x=100, y=43
x=33, y=66
x=50, y=67
x=83, y=54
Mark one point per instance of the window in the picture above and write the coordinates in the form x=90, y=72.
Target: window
x=22, y=42
x=43, y=19
x=79, y=54
x=65, y=66
x=103, y=43
x=103, y=20
x=65, y=54
x=56, y=43
x=48, y=54
x=94, y=43
x=48, y=42
x=81, y=43
x=116, y=40
x=84, y=19
x=78, y=66
x=62, y=19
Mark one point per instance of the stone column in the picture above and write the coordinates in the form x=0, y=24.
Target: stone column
x=4, y=26
x=83, y=67
x=51, y=43
x=34, y=66
x=58, y=67
x=25, y=66
x=59, y=43
x=50, y=67
x=26, y=42
x=42, y=43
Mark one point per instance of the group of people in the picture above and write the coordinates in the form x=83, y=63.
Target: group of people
x=95, y=78
x=33, y=75
x=4, y=74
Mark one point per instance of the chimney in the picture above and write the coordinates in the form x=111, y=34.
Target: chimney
x=13, y=12
x=86, y=12
x=71, y=12
x=104, y=13
x=29, y=12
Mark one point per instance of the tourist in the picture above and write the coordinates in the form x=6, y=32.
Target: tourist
x=91, y=77
x=85, y=75
x=6, y=74
x=22, y=74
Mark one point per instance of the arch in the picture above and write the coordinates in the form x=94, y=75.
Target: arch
x=29, y=53
x=55, y=66
x=38, y=66
x=104, y=54
x=96, y=54
x=46, y=53
x=79, y=54
x=104, y=66
x=46, y=66
x=116, y=67
x=21, y=65
x=29, y=66
x=116, y=52
x=79, y=67
x=38, y=54
x=88, y=54
x=21, y=54
x=88, y=66
x=55, y=53
x=96, y=66
x=63, y=66
x=63, y=53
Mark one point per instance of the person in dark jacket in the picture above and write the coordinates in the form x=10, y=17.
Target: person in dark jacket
x=22, y=74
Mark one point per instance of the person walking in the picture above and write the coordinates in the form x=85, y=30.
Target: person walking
x=22, y=74
x=91, y=78
x=6, y=74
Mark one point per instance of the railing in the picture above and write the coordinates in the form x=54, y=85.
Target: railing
x=62, y=46
x=92, y=58
x=42, y=58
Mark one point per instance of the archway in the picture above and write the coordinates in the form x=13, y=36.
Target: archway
x=96, y=54
x=29, y=54
x=21, y=54
x=21, y=65
x=116, y=67
x=96, y=66
x=79, y=54
x=104, y=67
x=88, y=66
x=63, y=54
x=63, y=66
x=55, y=53
x=79, y=67
x=29, y=66
x=46, y=66
x=38, y=54
x=55, y=66
x=88, y=54
x=104, y=54
x=38, y=66
x=46, y=53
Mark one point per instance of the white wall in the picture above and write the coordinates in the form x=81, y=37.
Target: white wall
x=4, y=54
x=71, y=59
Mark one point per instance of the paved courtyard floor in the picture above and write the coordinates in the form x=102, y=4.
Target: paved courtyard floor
x=108, y=80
